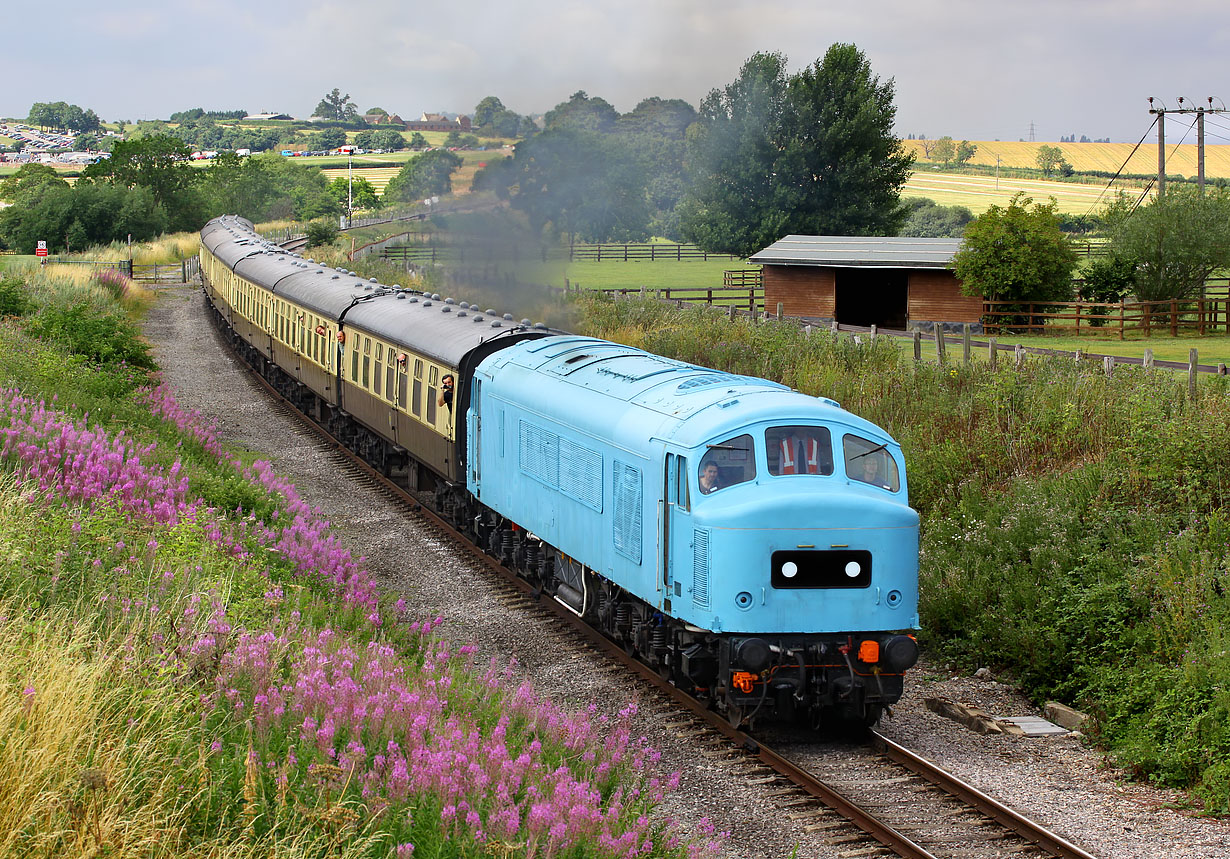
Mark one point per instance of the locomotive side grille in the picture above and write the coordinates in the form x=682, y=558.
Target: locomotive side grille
x=626, y=491
x=700, y=569
x=540, y=453
x=580, y=473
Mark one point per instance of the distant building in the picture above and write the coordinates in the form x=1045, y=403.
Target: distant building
x=890, y=282
x=383, y=119
x=257, y=117
x=438, y=122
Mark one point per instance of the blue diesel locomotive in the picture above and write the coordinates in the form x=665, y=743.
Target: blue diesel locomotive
x=754, y=544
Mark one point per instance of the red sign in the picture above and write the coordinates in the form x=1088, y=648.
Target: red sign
x=41, y=249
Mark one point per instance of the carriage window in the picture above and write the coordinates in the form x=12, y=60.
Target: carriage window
x=799, y=450
x=868, y=462
x=433, y=379
x=379, y=369
x=416, y=401
x=734, y=461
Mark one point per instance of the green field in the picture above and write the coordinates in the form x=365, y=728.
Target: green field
x=978, y=193
x=16, y=261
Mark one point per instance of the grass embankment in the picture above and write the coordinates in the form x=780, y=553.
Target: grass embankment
x=1074, y=525
x=192, y=665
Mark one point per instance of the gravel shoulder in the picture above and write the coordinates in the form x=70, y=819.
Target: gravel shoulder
x=1057, y=780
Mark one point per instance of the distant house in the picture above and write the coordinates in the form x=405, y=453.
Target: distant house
x=383, y=119
x=891, y=282
x=438, y=122
x=258, y=117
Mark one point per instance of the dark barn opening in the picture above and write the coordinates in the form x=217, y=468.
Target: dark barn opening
x=872, y=296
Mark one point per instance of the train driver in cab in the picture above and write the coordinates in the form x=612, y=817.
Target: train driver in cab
x=709, y=481
x=801, y=452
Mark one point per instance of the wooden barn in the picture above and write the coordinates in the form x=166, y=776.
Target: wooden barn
x=891, y=282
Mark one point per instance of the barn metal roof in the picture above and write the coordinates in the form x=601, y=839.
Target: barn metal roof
x=860, y=251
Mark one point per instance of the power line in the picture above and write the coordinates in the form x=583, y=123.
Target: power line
x=1119, y=172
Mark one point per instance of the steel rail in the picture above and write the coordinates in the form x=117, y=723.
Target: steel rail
x=993, y=808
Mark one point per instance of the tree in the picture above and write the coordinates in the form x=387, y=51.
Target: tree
x=582, y=113
x=365, y=139
x=486, y=110
x=943, y=150
x=389, y=139
x=29, y=181
x=266, y=187
x=161, y=164
x=813, y=153
x=1014, y=253
x=1176, y=242
x=360, y=192
x=337, y=106
x=85, y=214
x=579, y=184
x=418, y=141
x=326, y=139
x=965, y=151
x=424, y=176
x=1051, y=162
x=930, y=220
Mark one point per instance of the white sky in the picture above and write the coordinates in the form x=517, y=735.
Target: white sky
x=988, y=70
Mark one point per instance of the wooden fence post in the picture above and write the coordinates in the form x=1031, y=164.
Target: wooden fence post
x=779, y=311
x=1148, y=359
x=1108, y=364
x=807, y=331
x=965, y=356
x=730, y=312
x=992, y=352
x=1221, y=369
x=917, y=345
x=1020, y=356
x=1193, y=361
x=873, y=333
x=1174, y=317
x=939, y=343
x=835, y=328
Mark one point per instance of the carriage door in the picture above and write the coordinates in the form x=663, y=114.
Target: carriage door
x=676, y=527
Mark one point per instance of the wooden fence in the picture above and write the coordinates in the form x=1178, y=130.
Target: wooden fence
x=1209, y=314
x=651, y=251
x=750, y=296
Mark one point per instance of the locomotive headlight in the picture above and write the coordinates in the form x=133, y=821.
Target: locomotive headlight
x=853, y=568
x=899, y=653
x=790, y=569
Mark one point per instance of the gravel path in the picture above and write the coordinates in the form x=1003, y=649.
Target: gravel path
x=1057, y=781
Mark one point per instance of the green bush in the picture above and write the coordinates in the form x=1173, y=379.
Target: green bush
x=14, y=296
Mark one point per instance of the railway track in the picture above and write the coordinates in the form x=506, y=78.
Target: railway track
x=871, y=798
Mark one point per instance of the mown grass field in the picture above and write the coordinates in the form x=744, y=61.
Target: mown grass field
x=979, y=193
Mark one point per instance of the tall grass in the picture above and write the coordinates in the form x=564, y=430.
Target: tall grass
x=1074, y=525
x=194, y=665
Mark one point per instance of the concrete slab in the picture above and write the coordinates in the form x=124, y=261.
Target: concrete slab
x=1034, y=726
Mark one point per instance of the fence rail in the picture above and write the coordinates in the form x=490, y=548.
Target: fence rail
x=749, y=297
x=1205, y=315
x=651, y=251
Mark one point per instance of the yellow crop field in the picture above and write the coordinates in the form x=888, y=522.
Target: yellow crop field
x=1106, y=157
x=378, y=176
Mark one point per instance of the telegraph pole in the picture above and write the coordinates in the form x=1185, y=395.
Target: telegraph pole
x=1160, y=113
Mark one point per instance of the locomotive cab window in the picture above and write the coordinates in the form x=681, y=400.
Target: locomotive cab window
x=869, y=462
x=734, y=460
x=799, y=449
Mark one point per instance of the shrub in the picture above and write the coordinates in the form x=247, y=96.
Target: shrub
x=14, y=296
x=321, y=233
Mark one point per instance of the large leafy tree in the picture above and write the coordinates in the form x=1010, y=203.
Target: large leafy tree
x=62, y=116
x=1016, y=253
x=337, y=106
x=266, y=187
x=581, y=113
x=1175, y=243
x=810, y=153
x=423, y=176
x=579, y=184
x=161, y=164
x=359, y=192
x=732, y=150
x=88, y=213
